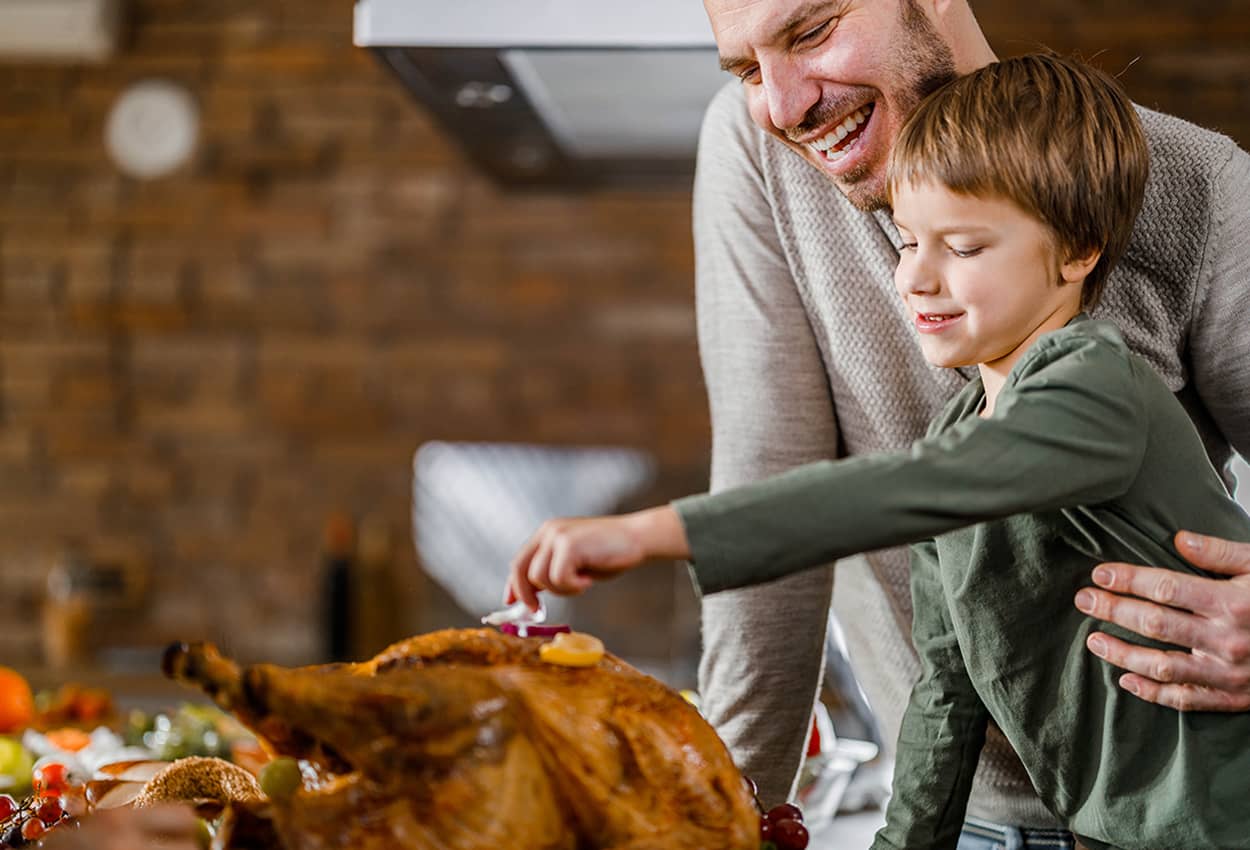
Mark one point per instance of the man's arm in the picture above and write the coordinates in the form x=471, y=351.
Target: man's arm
x=943, y=730
x=771, y=410
x=1210, y=615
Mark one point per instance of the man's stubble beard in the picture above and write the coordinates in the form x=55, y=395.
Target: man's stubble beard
x=929, y=65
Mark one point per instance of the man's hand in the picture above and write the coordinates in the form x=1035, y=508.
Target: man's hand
x=1212, y=616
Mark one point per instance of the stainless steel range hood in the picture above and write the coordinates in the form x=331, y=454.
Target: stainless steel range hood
x=558, y=93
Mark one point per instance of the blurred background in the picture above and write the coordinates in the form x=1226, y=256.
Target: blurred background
x=245, y=275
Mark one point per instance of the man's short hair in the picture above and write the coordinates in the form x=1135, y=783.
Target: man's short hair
x=1057, y=137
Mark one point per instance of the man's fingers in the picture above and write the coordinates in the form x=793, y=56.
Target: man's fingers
x=1214, y=553
x=1184, y=697
x=1167, y=587
x=1160, y=622
x=1167, y=667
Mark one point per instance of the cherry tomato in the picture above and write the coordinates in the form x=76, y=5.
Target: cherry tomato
x=50, y=777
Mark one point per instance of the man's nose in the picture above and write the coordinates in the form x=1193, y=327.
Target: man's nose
x=791, y=92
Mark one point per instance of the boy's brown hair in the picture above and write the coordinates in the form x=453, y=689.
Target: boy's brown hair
x=1056, y=137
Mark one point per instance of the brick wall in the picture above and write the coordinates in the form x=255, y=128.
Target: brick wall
x=195, y=371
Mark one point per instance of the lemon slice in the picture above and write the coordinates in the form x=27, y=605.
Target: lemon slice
x=572, y=649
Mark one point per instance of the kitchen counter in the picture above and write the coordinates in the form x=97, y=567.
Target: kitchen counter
x=849, y=832
x=150, y=692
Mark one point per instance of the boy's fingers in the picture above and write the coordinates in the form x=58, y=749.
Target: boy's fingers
x=538, y=573
x=528, y=595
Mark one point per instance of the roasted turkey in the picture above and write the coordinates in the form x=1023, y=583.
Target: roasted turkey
x=466, y=740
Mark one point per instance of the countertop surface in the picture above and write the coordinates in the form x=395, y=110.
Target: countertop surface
x=849, y=832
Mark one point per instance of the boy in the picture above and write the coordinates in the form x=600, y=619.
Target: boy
x=1014, y=190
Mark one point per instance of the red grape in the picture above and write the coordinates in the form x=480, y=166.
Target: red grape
x=49, y=811
x=790, y=834
x=33, y=829
x=766, y=830
x=7, y=807
x=785, y=811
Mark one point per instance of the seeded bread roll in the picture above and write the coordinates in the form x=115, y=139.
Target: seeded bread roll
x=200, y=779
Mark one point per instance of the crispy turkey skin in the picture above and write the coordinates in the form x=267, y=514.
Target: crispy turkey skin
x=465, y=740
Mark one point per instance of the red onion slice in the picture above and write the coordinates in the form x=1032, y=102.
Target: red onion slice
x=533, y=629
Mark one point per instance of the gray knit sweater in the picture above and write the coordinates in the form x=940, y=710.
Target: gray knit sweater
x=808, y=354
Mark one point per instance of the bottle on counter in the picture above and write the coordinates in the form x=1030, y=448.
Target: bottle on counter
x=66, y=613
x=376, y=594
x=338, y=593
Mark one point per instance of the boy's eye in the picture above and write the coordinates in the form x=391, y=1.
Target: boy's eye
x=965, y=252
x=907, y=246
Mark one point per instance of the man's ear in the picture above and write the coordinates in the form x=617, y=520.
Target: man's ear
x=1077, y=269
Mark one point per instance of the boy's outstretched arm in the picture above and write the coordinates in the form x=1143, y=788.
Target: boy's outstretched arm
x=1210, y=615
x=566, y=556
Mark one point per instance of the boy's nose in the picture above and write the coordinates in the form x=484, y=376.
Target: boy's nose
x=790, y=92
x=916, y=278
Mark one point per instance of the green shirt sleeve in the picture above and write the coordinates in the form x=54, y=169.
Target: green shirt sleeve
x=1066, y=430
x=943, y=728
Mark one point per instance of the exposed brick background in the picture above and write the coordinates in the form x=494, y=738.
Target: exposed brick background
x=195, y=371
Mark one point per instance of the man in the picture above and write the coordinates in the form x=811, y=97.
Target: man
x=806, y=355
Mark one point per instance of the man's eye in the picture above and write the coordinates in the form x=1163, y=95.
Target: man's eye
x=749, y=74
x=813, y=34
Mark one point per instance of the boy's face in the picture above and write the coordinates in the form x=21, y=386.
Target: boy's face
x=981, y=277
x=812, y=66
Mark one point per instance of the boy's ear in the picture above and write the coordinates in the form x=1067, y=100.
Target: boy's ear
x=1076, y=269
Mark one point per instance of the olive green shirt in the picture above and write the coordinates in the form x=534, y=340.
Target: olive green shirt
x=1087, y=457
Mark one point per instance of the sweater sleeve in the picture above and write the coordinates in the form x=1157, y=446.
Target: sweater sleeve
x=1066, y=431
x=1219, y=344
x=943, y=728
x=771, y=411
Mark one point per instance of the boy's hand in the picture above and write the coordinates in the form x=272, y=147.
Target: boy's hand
x=1212, y=616
x=566, y=556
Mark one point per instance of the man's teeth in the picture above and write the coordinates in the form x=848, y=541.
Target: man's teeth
x=825, y=146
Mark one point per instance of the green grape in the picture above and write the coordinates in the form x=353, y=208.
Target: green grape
x=203, y=835
x=280, y=778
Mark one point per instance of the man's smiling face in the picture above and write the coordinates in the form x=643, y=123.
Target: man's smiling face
x=833, y=79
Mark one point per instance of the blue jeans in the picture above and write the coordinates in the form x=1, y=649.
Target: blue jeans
x=979, y=835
